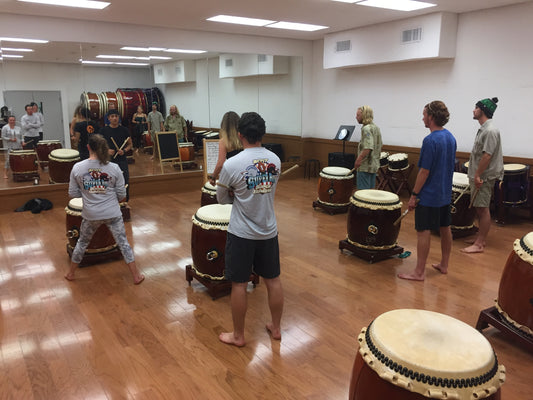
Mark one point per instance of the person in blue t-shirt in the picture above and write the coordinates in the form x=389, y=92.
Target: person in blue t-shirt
x=432, y=193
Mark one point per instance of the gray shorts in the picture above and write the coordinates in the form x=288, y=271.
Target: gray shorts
x=484, y=196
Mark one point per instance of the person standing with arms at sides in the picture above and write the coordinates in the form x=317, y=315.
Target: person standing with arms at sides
x=249, y=180
x=119, y=142
x=41, y=119
x=82, y=130
x=175, y=122
x=485, y=166
x=29, y=126
x=77, y=117
x=101, y=185
x=369, y=150
x=155, y=124
x=432, y=193
x=229, y=143
x=12, y=140
x=139, y=123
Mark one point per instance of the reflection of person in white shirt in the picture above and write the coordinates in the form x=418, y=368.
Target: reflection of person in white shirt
x=41, y=119
x=12, y=140
x=30, y=124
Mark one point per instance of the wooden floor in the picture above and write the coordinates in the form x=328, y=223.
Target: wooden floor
x=101, y=337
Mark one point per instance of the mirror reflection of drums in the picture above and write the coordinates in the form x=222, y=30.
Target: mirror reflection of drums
x=102, y=246
x=209, y=194
x=187, y=152
x=44, y=148
x=417, y=354
x=208, y=247
x=335, y=186
x=372, y=234
x=463, y=215
x=23, y=164
x=60, y=163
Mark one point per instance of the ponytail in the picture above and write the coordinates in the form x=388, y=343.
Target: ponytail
x=99, y=146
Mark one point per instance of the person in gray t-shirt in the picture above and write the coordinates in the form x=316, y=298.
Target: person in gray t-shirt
x=249, y=180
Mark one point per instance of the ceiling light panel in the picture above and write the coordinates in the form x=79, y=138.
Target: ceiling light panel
x=230, y=19
x=295, y=26
x=95, y=5
x=399, y=5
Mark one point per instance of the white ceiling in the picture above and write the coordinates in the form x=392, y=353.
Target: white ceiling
x=192, y=15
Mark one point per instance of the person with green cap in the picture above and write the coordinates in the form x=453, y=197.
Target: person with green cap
x=485, y=166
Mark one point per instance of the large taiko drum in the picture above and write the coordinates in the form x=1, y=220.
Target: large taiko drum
x=398, y=161
x=186, y=151
x=131, y=99
x=515, y=185
x=383, y=159
x=60, y=163
x=209, y=195
x=93, y=102
x=371, y=218
x=23, y=163
x=102, y=242
x=335, y=186
x=208, y=240
x=44, y=148
x=112, y=98
x=417, y=354
x=462, y=214
x=154, y=95
x=516, y=286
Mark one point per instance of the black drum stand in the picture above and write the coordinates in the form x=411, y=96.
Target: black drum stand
x=370, y=255
x=215, y=288
x=331, y=209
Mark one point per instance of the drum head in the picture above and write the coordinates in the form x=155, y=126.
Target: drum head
x=45, y=142
x=208, y=186
x=22, y=152
x=514, y=167
x=524, y=248
x=188, y=144
x=403, y=344
x=336, y=171
x=384, y=154
x=213, y=216
x=376, y=196
x=398, y=157
x=460, y=180
x=76, y=204
x=66, y=154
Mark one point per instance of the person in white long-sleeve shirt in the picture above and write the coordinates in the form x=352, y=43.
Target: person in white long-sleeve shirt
x=29, y=126
x=12, y=140
x=37, y=113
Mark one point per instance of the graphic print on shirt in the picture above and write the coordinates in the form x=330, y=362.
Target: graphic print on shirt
x=261, y=176
x=96, y=181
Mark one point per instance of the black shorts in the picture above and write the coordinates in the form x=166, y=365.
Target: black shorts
x=244, y=256
x=432, y=218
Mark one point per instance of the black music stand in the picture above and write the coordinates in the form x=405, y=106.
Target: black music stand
x=344, y=133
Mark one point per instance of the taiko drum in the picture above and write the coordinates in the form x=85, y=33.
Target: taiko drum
x=23, y=163
x=44, y=148
x=209, y=195
x=335, y=186
x=60, y=163
x=462, y=214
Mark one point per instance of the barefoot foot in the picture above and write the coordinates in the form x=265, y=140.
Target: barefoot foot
x=412, y=277
x=439, y=268
x=473, y=249
x=138, y=280
x=274, y=332
x=229, y=338
x=70, y=276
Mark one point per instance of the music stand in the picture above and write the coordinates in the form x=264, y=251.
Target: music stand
x=344, y=133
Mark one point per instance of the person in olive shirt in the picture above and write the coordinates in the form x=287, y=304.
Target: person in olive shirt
x=119, y=142
x=369, y=150
x=175, y=122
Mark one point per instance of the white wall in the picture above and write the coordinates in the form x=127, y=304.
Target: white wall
x=493, y=58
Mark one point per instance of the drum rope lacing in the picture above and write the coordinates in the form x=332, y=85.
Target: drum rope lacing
x=375, y=203
x=209, y=224
x=427, y=379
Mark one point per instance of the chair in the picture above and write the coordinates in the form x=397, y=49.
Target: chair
x=312, y=168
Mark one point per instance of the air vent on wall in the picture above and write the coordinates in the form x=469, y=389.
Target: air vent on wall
x=261, y=58
x=343, y=45
x=159, y=71
x=229, y=62
x=177, y=69
x=412, y=35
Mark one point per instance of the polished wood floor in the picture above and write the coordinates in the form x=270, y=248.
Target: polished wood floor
x=101, y=337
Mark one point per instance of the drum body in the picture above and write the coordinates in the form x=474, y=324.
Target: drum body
x=418, y=354
x=515, y=184
x=335, y=186
x=44, y=148
x=155, y=95
x=23, y=163
x=186, y=151
x=208, y=240
x=131, y=99
x=371, y=217
x=60, y=163
x=93, y=101
x=383, y=159
x=462, y=215
x=398, y=161
x=111, y=98
x=516, y=286
x=102, y=241
x=209, y=195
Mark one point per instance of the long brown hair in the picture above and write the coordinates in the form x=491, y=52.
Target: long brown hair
x=228, y=131
x=99, y=146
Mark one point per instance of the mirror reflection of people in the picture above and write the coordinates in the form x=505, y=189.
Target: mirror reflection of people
x=229, y=143
x=100, y=184
x=82, y=130
x=111, y=106
x=76, y=117
x=29, y=126
x=175, y=122
x=41, y=119
x=12, y=140
x=139, y=127
x=369, y=149
x=432, y=194
x=155, y=124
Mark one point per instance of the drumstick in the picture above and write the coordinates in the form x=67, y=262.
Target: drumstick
x=473, y=197
x=351, y=171
x=461, y=195
x=290, y=169
x=400, y=217
x=224, y=186
x=125, y=141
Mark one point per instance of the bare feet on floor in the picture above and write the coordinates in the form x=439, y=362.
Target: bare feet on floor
x=473, y=249
x=472, y=241
x=138, y=280
x=229, y=338
x=70, y=276
x=275, y=333
x=439, y=268
x=412, y=276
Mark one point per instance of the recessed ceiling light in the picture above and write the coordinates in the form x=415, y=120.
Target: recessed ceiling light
x=96, y=62
x=229, y=19
x=135, y=48
x=184, y=51
x=20, y=50
x=157, y=58
x=400, y=5
x=96, y=5
x=156, y=49
x=111, y=56
x=348, y=1
x=7, y=39
x=133, y=64
x=12, y=56
x=296, y=26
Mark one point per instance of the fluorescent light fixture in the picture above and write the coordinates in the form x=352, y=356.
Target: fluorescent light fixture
x=295, y=26
x=19, y=50
x=156, y=48
x=7, y=39
x=95, y=5
x=132, y=64
x=347, y=1
x=229, y=19
x=118, y=57
x=96, y=62
x=157, y=58
x=400, y=5
x=12, y=56
x=135, y=48
x=184, y=51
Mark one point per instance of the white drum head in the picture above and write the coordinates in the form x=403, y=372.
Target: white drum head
x=460, y=180
x=48, y=142
x=524, y=248
x=398, y=157
x=513, y=167
x=210, y=187
x=376, y=196
x=76, y=203
x=384, y=154
x=23, y=152
x=188, y=144
x=67, y=154
x=213, y=216
x=336, y=171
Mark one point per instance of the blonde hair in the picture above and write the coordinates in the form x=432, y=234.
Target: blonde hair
x=228, y=131
x=367, y=115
